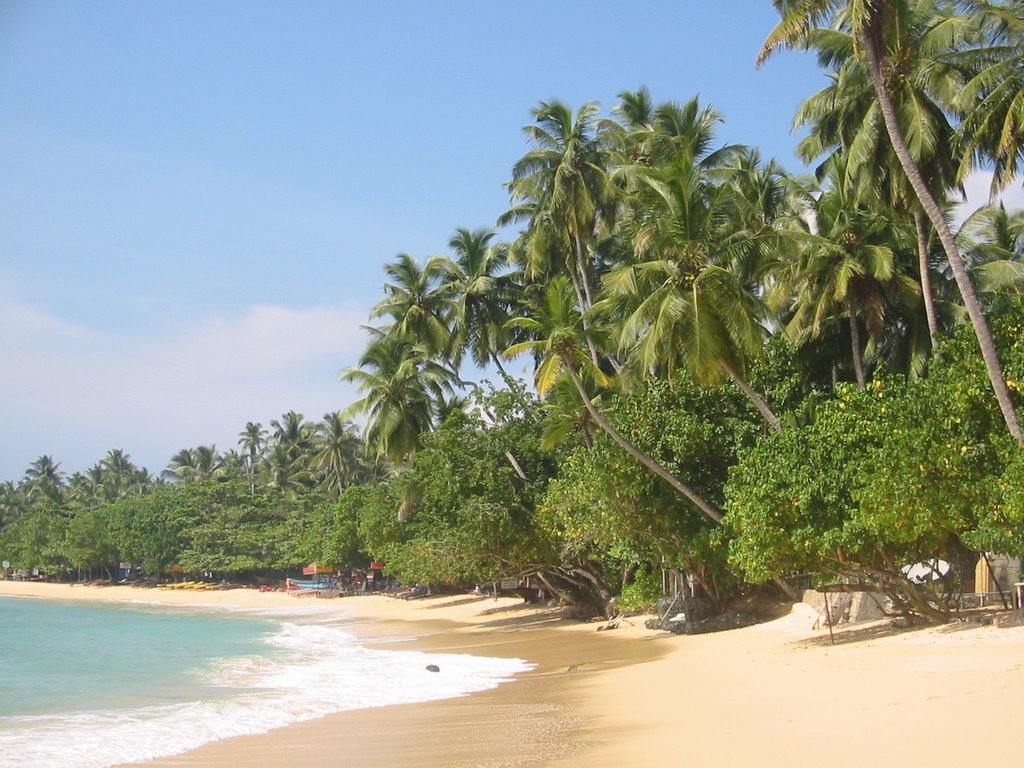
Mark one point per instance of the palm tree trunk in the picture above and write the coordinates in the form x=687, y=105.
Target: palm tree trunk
x=583, y=303
x=639, y=455
x=496, y=358
x=926, y=281
x=874, y=49
x=858, y=360
x=588, y=441
x=581, y=265
x=515, y=466
x=577, y=289
x=509, y=382
x=587, y=301
x=754, y=397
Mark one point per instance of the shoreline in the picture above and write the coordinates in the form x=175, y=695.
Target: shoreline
x=528, y=716
x=772, y=694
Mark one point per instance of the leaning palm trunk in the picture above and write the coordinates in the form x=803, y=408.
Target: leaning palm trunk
x=581, y=265
x=703, y=505
x=754, y=397
x=873, y=48
x=588, y=296
x=584, y=304
x=577, y=289
x=926, y=281
x=510, y=383
x=516, y=467
x=698, y=501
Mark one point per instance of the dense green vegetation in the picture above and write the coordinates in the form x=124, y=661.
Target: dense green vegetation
x=741, y=374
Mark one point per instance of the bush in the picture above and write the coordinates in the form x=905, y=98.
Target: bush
x=643, y=593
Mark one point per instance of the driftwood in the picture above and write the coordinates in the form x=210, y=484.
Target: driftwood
x=614, y=622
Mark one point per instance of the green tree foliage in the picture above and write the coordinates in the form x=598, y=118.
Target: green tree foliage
x=469, y=514
x=402, y=387
x=605, y=507
x=642, y=591
x=91, y=541
x=37, y=538
x=899, y=473
x=848, y=268
x=688, y=295
x=212, y=527
x=331, y=533
x=150, y=529
x=379, y=524
x=993, y=101
x=233, y=531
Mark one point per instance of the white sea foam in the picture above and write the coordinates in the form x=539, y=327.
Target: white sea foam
x=309, y=670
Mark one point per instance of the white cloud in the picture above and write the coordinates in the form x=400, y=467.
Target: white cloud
x=75, y=393
x=977, y=187
x=266, y=339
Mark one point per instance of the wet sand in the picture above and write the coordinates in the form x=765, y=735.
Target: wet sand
x=777, y=694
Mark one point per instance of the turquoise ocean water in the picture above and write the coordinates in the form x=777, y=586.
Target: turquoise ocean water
x=90, y=685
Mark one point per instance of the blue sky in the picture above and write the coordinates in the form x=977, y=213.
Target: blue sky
x=198, y=198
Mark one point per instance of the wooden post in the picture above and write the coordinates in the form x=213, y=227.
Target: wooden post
x=828, y=618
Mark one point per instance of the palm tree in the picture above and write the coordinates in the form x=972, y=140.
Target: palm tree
x=992, y=102
x=400, y=383
x=689, y=297
x=875, y=26
x=121, y=477
x=479, y=293
x=208, y=461
x=635, y=110
x=231, y=464
x=12, y=501
x=190, y=465
x=117, y=462
x=563, y=189
x=994, y=243
x=253, y=441
x=338, y=458
x=565, y=412
x=182, y=466
x=81, y=491
x=845, y=118
x=88, y=488
x=846, y=265
x=44, y=479
x=293, y=433
x=653, y=135
x=284, y=472
x=418, y=300
x=558, y=340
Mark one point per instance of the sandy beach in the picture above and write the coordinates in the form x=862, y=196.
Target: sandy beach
x=776, y=694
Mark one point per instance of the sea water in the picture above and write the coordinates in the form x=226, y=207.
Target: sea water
x=90, y=685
